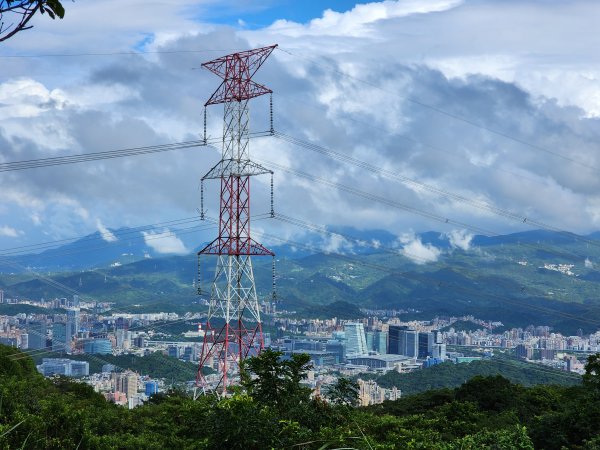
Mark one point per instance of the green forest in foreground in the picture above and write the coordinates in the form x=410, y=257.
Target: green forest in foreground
x=272, y=409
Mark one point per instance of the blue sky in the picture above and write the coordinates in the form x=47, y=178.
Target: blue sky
x=259, y=14
x=398, y=84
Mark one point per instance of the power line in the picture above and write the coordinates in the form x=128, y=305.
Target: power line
x=136, y=53
x=427, y=187
x=60, y=286
x=448, y=114
x=96, y=156
x=409, y=275
x=20, y=165
x=102, y=236
x=421, y=278
x=414, y=210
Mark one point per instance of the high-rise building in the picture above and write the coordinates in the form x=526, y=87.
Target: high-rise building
x=377, y=341
x=524, y=351
x=402, y=341
x=123, y=338
x=24, y=341
x=1, y=296
x=370, y=337
x=151, y=388
x=174, y=351
x=395, y=346
x=72, y=326
x=60, y=366
x=370, y=393
x=122, y=323
x=126, y=382
x=356, y=342
x=380, y=342
x=338, y=348
x=98, y=347
x=37, y=335
x=139, y=342
x=439, y=351
x=409, y=343
x=395, y=394
x=59, y=338
x=426, y=342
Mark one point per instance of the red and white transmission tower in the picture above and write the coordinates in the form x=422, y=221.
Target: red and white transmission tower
x=233, y=298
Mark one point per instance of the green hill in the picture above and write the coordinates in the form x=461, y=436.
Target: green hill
x=487, y=413
x=450, y=375
x=516, y=279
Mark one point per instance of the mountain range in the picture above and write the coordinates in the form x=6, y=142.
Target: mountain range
x=534, y=277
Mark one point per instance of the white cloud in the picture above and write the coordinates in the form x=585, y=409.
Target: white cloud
x=460, y=239
x=24, y=97
x=9, y=232
x=105, y=233
x=517, y=82
x=358, y=21
x=336, y=244
x=416, y=251
x=165, y=242
x=36, y=219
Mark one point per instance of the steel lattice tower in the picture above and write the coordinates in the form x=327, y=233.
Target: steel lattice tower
x=233, y=297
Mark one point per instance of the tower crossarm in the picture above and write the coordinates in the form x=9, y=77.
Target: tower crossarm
x=233, y=167
x=236, y=91
x=237, y=70
x=234, y=246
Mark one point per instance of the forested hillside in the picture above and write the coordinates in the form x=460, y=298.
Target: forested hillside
x=272, y=410
x=518, y=279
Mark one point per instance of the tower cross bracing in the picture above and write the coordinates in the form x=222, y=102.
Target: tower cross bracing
x=233, y=299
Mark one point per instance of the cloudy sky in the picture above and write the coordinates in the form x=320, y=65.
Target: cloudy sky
x=473, y=109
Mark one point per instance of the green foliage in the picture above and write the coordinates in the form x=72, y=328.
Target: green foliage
x=343, y=392
x=275, y=381
x=490, y=393
x=515, y=438
x=592, y=372
x=53, y=7
x=13, y=363
x=19, y=13
x=327, y=285
x=277, y=412
x=452, y=375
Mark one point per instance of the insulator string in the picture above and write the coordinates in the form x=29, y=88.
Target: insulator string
x=201, y=199
x=272, y=198
x=205, y=126
x=271, y=113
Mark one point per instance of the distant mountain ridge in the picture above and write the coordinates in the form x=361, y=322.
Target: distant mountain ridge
x=536, y=277
x=98, y=250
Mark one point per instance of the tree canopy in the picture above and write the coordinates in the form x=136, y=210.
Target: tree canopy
x=275, y=409
x=16, y=14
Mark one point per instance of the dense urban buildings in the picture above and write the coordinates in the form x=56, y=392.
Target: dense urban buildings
x=378, y=343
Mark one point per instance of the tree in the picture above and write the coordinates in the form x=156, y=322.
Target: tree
x=592, y=372
x=276, y=381
x=16, y=14
x=343, y=392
